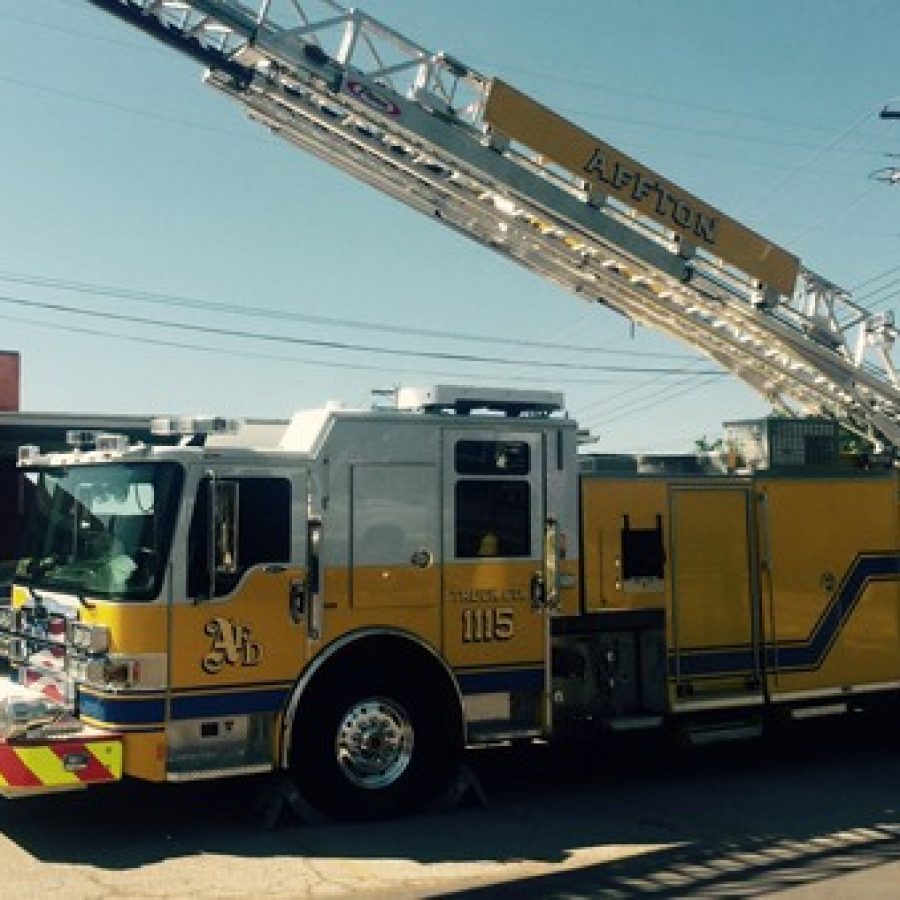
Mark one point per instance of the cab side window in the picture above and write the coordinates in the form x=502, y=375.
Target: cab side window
x=253, y=526
x=493, y=518
x=493, y=505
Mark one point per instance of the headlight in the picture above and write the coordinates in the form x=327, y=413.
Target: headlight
x=9, y=619
x=88, y=638
x=87, y=671
x=18, y=650
x=104, y=672
x=22, y=709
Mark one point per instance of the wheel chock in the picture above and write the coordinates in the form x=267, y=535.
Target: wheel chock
x=465, y=790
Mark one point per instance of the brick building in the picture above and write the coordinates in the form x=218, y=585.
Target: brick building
x=10, y=381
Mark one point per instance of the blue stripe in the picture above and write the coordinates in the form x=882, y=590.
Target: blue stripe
x=798, y=655
x=215, y=705
x=122, y=711
x=713, y=662
x=529, y=680
x=811, y=653
x=136, y=710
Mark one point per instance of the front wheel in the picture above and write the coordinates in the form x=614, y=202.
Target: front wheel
x=384, y=748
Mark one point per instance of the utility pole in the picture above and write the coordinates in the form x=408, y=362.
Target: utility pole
x=888, y=174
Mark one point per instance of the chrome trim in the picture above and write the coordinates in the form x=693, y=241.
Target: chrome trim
x=813, y=712
x=256, y=769
x=719, y=703
x=843, y=691
x=488, y=736
x=374, y=743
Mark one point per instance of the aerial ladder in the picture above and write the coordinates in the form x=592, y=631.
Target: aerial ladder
x=475, y=154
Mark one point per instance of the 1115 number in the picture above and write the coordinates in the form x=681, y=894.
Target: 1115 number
x=481, y=624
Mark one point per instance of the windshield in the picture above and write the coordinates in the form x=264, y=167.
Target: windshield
x=101, y=530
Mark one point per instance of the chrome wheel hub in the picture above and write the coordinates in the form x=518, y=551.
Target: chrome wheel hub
x=374, y=743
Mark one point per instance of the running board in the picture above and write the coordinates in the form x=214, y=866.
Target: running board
x=812, y=712
x=701, y=735
x=635, y=723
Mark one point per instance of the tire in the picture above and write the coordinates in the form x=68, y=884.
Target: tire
x=374, y=747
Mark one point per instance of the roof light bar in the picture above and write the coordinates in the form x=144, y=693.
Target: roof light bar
x=112, y=443
x=168, y=426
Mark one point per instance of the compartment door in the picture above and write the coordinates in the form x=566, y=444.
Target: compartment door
x=395, y=546
x=715, y=606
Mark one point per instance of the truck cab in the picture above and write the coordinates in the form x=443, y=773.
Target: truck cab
x=351, y=597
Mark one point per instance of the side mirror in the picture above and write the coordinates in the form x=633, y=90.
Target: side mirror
x=223, y=536
x=225, y=519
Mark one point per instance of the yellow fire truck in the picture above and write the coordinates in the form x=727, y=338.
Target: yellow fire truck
x=354, y=596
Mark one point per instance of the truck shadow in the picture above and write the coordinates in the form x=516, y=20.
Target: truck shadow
x=810, y=803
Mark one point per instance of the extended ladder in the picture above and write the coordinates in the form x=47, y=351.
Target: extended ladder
x=494, y=165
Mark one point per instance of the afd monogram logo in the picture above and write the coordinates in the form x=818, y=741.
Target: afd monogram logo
x=232, y=646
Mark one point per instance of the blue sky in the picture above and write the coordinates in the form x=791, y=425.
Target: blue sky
x=121, y=170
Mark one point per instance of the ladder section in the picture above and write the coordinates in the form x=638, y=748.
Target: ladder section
x=446, y=140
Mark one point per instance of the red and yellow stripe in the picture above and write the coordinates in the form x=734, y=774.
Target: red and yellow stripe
x=58, y=765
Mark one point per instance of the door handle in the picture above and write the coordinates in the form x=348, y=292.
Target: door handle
x=538, y=591
x=298, y=599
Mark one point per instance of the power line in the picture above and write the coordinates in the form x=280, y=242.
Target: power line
x=292, y=360
x=831, y=214
x=867, y=299
x=252, y=311
x=343, y=346
x=779, y=185
x=877, y=277
x=669, y=102
x=639, y=387
x=638, y=402
x=873, y=305
x=670, y=394
x=133, y=111
x=81, y=35
x=722, y=135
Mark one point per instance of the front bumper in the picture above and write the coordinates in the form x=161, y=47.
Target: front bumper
x=44, y=750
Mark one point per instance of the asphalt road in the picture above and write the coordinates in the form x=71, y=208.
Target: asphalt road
x=812, y=813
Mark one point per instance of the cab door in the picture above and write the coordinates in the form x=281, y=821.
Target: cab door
x=495, y=625
x=241, y=635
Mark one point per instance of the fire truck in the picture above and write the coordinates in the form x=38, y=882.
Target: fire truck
x=353, y=597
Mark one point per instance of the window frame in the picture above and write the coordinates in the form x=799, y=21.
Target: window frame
x=536, y=454
x=198, y=543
